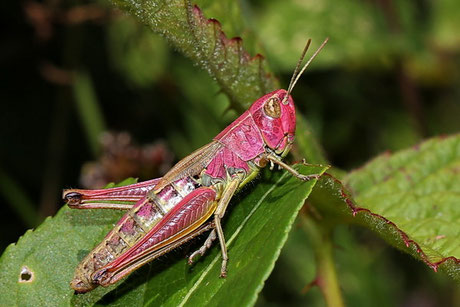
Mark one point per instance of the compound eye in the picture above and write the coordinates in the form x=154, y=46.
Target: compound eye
x=272, y=107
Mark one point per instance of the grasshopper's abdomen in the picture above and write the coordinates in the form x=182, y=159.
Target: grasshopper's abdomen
x=147, y=213
x=132, y=227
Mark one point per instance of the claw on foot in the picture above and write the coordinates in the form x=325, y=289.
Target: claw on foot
x=202, y=250
x=193, y=256
x=223, y=268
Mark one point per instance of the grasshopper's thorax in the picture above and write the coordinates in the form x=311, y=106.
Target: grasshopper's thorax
x=267, y=127
x=274, y=116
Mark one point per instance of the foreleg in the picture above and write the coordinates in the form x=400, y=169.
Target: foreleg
x=275, y=160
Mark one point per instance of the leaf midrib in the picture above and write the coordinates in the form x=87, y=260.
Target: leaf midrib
x=229, y=242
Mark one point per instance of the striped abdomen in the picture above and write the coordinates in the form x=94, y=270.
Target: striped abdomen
x=133, y=226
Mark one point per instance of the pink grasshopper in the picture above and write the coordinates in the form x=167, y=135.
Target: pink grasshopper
x=192, y=197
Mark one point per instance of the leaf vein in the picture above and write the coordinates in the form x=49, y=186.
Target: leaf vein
x=232, y=238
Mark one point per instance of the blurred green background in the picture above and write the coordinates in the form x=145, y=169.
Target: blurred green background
x=70, y=71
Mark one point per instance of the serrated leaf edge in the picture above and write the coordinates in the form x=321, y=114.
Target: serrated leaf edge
x=196, y=16
x=408, y=242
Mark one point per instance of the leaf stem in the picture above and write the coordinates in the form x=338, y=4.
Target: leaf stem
x=88, y=107
x=326, y=275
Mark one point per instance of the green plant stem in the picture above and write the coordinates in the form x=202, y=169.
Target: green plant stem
x=88, y=107
x=18, y=200
x=326, y=275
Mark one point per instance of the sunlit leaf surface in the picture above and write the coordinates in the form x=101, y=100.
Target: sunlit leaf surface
x=410, y=198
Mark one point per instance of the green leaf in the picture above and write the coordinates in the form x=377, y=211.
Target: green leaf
x=242, y=77
x=446, y=18
x=139, y=55
x=50, y=254
x=368, y=34
x=256, y=227
x=409, y=198
x=359, y=35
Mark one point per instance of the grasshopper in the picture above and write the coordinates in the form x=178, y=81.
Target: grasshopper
x=193, y=196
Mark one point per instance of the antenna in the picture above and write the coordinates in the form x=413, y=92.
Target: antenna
x=296, y=75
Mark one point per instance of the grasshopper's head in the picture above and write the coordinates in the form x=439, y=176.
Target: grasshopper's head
x=274, y=115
